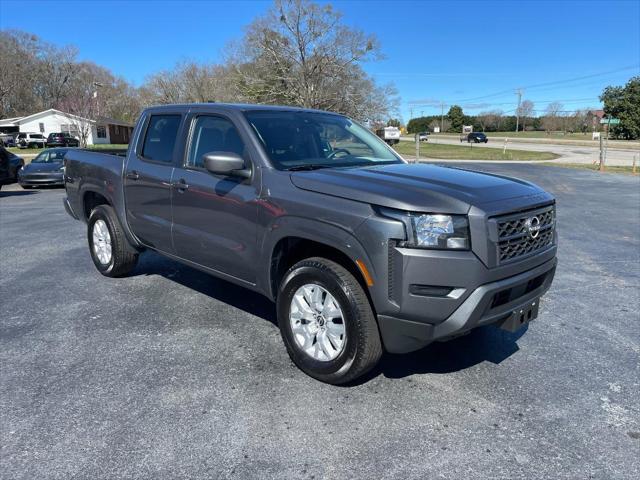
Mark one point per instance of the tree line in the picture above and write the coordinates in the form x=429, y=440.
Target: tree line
x=299, y=53
x=621, y=102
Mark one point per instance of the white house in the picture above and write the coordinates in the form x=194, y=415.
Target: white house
x=101, y=130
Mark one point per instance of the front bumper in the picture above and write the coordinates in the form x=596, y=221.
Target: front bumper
x=35, y=179
x=501, y=301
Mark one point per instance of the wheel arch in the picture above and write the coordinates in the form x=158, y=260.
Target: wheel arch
x=301, y=238
x=91, y=196
x=90, y=200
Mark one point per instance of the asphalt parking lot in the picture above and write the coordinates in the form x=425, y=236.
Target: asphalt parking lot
x=171, y=373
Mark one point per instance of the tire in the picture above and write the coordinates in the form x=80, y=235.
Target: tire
x=122, y=256
x=361, y=347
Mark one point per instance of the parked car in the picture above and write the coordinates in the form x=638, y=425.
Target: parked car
x=5, y=167
x=423, y=136
x=46, y=169
x=15, y=163
x=475, y=137
x=7, y=140
x=359, y=250
x=62, y=139
x=31, y=140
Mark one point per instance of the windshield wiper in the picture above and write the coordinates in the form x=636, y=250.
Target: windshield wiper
x=308, y=166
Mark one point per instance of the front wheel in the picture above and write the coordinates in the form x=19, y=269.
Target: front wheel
x=110, y=250
x=327, y=322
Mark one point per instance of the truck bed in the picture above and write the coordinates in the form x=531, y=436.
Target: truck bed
x=98, y=171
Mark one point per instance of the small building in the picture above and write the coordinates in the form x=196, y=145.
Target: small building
x=101, y=130
x=593, y=119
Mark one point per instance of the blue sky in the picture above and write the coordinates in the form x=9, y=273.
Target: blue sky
x=471, y=53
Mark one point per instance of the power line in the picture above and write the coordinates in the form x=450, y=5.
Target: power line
x=545, y=84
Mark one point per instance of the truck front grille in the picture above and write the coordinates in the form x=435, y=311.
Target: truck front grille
x=524, y=233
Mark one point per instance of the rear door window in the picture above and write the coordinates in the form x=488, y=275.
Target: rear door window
x=160, y=138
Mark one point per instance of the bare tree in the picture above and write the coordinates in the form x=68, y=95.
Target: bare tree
x=55, y=71
x=189, y=82
x=483, y=120
x=551, y=119
x=81, y=105
x=489, y=119
x=17, y=78
x=446, y=125
x=525, y=110
x=578, y=121
x=300, y=53
x=47, y=76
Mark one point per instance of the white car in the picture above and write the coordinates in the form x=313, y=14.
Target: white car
x=31, y=140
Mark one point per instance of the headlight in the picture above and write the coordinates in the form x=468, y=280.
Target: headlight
x=62, y=169
x=445, y=232
x=440, y=231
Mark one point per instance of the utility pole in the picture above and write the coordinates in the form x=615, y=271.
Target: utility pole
x=519, y=93
x=441, y=117
x=95, y=95
x=606, y=144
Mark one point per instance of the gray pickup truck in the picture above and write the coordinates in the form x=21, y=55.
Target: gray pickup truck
x=361, y=251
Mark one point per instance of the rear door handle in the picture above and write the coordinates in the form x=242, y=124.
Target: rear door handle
x=133, y=175
x=181, y=185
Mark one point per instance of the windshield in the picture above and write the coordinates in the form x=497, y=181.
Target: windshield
x=301, y=139
x=51, y=156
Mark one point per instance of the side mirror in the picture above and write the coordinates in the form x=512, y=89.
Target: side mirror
x=225, y=163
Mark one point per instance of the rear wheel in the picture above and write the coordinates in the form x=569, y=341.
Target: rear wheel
x=110, y=250
x=327, y=322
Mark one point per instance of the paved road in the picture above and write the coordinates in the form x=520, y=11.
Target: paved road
x=568, y=153
x=171, y=373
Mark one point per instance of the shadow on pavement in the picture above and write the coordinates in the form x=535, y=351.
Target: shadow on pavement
x=152, y=263
x=485, y=344
x=16, y=193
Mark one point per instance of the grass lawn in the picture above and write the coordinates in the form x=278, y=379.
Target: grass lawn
x=552, y=135
x=595, y=168
x=534, y=134
x=35, y=151
x=468, y=152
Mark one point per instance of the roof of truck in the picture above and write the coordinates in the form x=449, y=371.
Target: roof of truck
x=239, y=106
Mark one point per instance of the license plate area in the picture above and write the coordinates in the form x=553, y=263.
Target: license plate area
x=521, y=316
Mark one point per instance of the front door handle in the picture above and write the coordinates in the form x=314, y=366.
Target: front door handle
x=133, y=175
x=181, y=185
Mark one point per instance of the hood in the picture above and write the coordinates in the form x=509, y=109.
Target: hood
x=417, y=187
x=43, y=167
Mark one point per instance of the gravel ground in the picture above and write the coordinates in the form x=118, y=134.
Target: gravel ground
x=171, y=373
